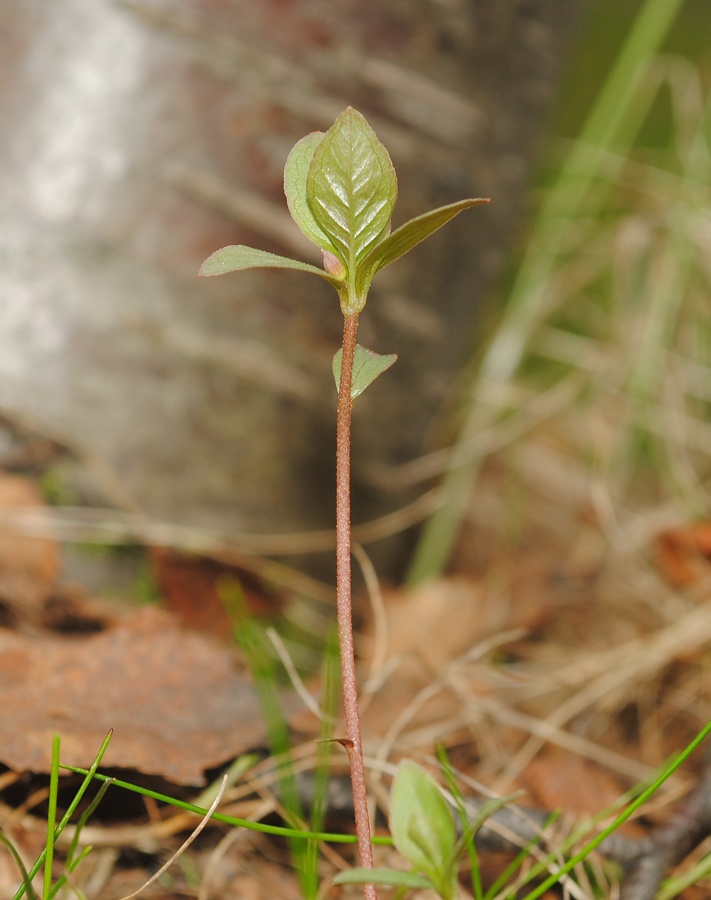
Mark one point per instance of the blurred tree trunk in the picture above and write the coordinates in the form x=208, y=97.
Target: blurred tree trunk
x=139, y=136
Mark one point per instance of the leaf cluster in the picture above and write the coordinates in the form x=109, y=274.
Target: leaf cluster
x=341, y=190
x=423, y=831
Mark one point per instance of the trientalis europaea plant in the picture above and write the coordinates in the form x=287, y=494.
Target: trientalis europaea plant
x=341, y=189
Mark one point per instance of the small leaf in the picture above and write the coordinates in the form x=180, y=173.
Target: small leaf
x=295, y=174
x=422, y=826
x=237, y=257
x=367, y=365
x=408, y=236
x=383, y=876
x=351, y=187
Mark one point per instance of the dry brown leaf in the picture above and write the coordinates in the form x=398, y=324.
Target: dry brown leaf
x=684, y=554
x=188, y=585
x=29, y=567
x=427, y=628
x=436, y=622
x=559, y=780
x=174, y=699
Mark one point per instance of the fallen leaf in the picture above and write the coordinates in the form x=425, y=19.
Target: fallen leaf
x=559, y=780
x=174, y=699
x=188, y=585
x=435, y=622
x=427, y=628
x=29, y=566
x=684, y=554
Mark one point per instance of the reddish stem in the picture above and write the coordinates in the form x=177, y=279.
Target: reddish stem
x=343, y=591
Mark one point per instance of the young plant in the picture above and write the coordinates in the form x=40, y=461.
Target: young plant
x=341, y=189
x=423, y=831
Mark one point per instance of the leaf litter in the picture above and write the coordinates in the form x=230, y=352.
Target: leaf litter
x=174, y=700
x=537, y=663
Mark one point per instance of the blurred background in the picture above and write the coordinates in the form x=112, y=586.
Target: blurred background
x=543, y=441
x=137, y=136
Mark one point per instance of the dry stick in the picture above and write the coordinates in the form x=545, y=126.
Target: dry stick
x=354, y=747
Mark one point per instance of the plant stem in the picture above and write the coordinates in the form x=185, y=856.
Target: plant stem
x=343, y=592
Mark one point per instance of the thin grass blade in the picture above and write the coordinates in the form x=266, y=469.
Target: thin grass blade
x=252, y=642
x=20, y=865
x=89, y=775
x=614, y=119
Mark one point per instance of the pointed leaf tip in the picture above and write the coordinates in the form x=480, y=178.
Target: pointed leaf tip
x=351, y=187
x=408, y=236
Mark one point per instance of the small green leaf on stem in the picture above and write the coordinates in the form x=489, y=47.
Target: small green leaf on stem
x=408, y=236
x=351, y=188
x=295, y=174
x=422, y=827
x=237, y=257
x=367, y=365
x=383, y=876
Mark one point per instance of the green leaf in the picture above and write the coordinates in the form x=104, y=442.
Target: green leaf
x=408, y=236
x=237, y=257
x=383, y=876
x=351, y=188
x=295, y=175
x=367, y=365
x=422, y=826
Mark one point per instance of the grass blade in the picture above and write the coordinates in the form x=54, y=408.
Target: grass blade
x=622, y=817
x=330, y=680
x=68, y=869
x=301, y=834
x=20, y=865
x=517, y=861
x=454, y=790
x=250, y=638
x=615, y=117
x=83, y=820
x=674, y=886
x=51, y=818
x=89, y=774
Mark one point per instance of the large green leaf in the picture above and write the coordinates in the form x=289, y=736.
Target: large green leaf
x=383, y=876
x=422, y=827
x=237, y=257
x=295, y=174
x=351, y=187
x=408, y=236
x=367, y=365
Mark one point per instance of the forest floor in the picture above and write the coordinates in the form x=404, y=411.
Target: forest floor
x=565, y=654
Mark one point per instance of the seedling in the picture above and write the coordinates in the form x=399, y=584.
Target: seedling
x=341, y=190
x=422, y=827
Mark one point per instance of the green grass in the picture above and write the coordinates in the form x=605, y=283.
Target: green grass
x=309, y=839
x=583, y=202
